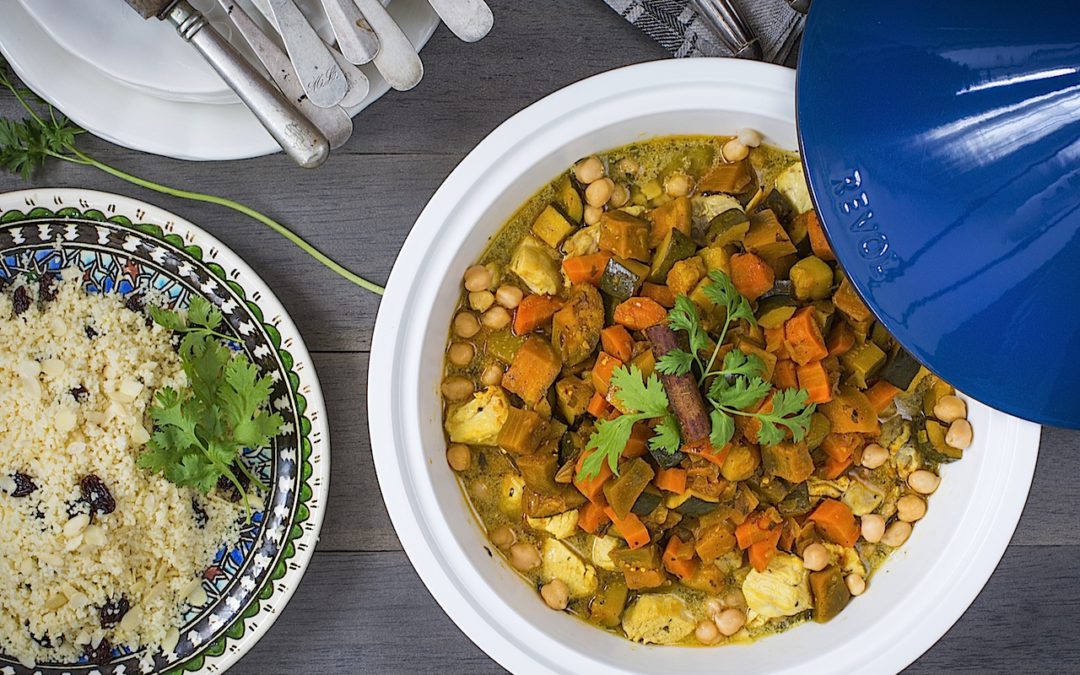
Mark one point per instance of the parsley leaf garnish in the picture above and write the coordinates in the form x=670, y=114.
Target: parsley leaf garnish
x=200, y=432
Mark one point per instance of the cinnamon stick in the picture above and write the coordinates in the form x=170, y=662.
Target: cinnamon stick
x=682, y=390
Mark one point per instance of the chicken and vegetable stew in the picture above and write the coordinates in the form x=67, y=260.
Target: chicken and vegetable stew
x=672, y=412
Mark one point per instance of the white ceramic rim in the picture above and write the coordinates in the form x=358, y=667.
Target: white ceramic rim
x=273, y=312
x=397, y=386
x=135, y=119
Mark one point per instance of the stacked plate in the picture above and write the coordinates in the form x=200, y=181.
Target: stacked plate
x=138, y=84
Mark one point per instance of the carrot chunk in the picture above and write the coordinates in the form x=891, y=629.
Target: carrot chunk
x=586, y=269
x=616, y=341
x=672, y=480
x=602, y=370
x=882, y=394
x=679, y=558
x=815, y=380
x=630, y=528
x=803, y=337
x=591, y=517
x=640, y=313
x=660, y=293
x=534, y=311
x=751, y=275
x=836, y=522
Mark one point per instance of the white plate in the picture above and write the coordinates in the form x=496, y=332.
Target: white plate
x=911, y=601
x=138, y=120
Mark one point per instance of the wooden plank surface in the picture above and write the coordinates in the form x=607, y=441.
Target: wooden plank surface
x=361, y=606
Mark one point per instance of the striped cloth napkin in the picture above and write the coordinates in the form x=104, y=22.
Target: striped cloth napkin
x=678, y=28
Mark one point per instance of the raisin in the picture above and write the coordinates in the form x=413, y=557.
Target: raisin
x=80, y=394
x=90, y=332
x=226, y=486
x=135, y=302
x=112, y=612
x=99, y=655
x=24, y=485
x=20, y=300
x=47, y=288
x=201, y=518
x=44, y=640
x=97, y=495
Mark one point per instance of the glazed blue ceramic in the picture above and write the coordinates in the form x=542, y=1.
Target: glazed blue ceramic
x=942, y=145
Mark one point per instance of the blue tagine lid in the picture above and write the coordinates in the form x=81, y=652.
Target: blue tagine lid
x=942, y=146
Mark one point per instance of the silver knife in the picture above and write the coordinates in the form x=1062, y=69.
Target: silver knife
x=319, y=73
x=296, y=135
x=334, y=122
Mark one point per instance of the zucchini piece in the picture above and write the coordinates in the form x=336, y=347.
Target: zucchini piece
x=570, y=199
x=880, y=336
x=773, y=312
x=696, y=506
x=522, y=432
x=647, y=502
x=776, y=202
x=780, y=287
x=767, y=237
x=831, y=594
x=664, y=460
x=796, y=502
x=607, y=607
x=674, y=247
x=862, y=362
x=901, y=369
x=811, y=278
x=728, y=228
x=538, y=472
x=503, y=345
x=820, y=427
x=622, y=493
x=933, y=393
x=622, y=278
x=552, y=226
x=930, y=440
x=731, y=178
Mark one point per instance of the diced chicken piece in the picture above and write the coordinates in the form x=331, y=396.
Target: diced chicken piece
x=863, y=497
x=792, y=184
x=479, y=420
x=537, y=265
x=511, y=494
x=706, y=207
x=819, y=487
x=783, y=589
x=560, y=526
x=601, y=551
x=658, y=618
x=585, y=241
x=559, y=562
x=847, y=558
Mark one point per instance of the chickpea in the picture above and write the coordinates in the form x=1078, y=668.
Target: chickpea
x=713, y=607
x=856, y=585
x=599, y=193
x=459, y=456
x=734, y=598
x=477, y=278
x=509, y=296
x=481, y=300
x=524, y=557
x=707, y=633
x=503, y=537
x=959, y=434
x=677, y=185
x=910, y=508
x=593, y=214
x=589, y=170
x=873, y=527
x=492, y=375
x=629, y=166
x=873, y=456
x=924, y=482
x=751, y=138
x=619, y=196
x=896, y=534
x=466, y=325
x=815, y=557
x=457, y=388
x=461, y=353
x=735, y=151
x=730, y=621
x=556, y=594
x=480, y=490
x=950, y=408
x=496, y=318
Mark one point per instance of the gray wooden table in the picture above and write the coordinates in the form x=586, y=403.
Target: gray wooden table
x=361, y=607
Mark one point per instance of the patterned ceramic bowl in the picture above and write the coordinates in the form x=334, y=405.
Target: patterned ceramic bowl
x=124, y=246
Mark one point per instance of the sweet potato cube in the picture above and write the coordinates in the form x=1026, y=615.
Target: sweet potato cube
x=675, y=215
x=534, y=369
x=624, y=235
x=767, y=237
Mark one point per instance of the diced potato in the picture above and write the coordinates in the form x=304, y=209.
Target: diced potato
x=783, y=589
x=478, y=420
x=560, y=526
x=685, y=275
x=716, y=258
x=792, y=184
x=585, y=241
x=559, y=562
x=552, y=226
x=538, y=266
x=658, y=618
x=511, y=494
x=601, y=551
x=707, y=207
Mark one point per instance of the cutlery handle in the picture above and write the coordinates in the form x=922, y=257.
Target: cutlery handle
x=318, y=71
x=470, y=20
x=355, y=38
x=397, y=59
x=727, y=24
x=296, y=135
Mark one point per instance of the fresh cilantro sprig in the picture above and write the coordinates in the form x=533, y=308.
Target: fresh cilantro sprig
x=644, y=399
x=201, y=431
x=27, y=144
